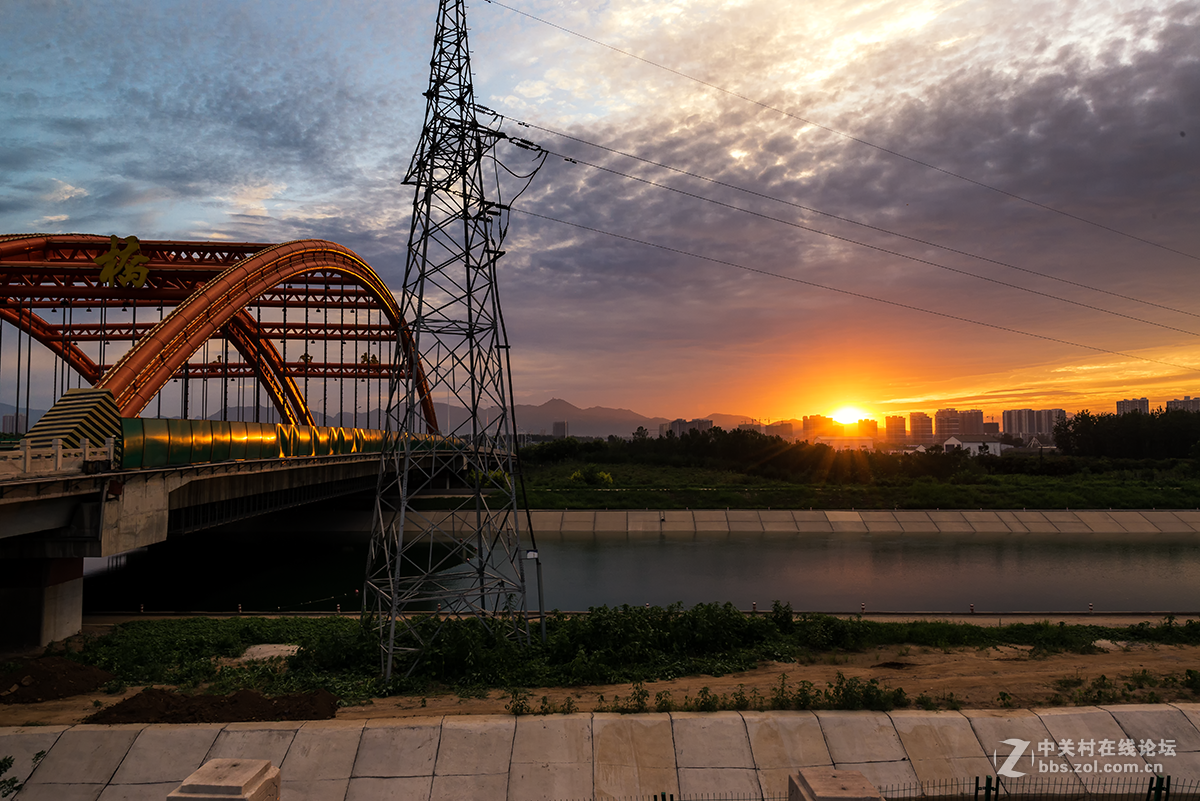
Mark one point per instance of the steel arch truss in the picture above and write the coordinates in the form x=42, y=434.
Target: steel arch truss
x=210, y=285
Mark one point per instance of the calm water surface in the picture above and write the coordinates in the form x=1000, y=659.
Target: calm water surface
x=823, y=572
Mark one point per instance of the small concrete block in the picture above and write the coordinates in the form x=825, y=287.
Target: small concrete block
x=398, y=747
x=860, y=737
x=476, y=744
x=167, y=753
x=843, y=517
x=936, y=735
x=322, y=752
x=549, y=781
x=558, y=739
x=408, y=788
x=831, y=784
x=849, y=527
x=785, y=526
x=469, y=786
x=1156, y=722
x=711, y=740
x=806, y=527
x=994, y=726
x=269, y=741
x=742, y=516
x=727, y=782
x=785, y=740
x=238, y=779
x=315, y=790
x=775, y=516
x=86, y=755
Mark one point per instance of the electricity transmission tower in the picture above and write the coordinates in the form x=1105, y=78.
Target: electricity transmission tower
x=466, y=560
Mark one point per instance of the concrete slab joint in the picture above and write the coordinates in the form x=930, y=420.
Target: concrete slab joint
x=831, y=784
x=231, y=780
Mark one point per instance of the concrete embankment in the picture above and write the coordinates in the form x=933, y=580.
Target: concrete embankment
x=573, y=523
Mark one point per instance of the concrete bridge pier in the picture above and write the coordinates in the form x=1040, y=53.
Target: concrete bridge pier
x=42, y=600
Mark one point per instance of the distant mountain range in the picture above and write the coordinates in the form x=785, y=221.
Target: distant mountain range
x=595, y=421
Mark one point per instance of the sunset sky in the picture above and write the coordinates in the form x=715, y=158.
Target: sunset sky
x=272, y=121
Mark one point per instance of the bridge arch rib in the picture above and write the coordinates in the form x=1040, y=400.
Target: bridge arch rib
x=220, y=304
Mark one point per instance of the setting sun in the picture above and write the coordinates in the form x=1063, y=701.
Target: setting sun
x=849, y=414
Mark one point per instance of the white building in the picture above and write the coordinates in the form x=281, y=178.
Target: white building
x=975, y=444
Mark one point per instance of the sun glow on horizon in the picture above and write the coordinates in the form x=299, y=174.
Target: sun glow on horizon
x=849, y=414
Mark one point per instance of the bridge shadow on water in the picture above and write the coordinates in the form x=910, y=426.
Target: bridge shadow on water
x=302, y=560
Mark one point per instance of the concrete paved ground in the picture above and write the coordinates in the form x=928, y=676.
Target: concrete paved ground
x=585, y=756
x=576, y=524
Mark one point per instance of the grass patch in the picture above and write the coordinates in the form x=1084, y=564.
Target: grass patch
x=620, y=645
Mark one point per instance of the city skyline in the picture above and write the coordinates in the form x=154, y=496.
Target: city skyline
x=1086, y=109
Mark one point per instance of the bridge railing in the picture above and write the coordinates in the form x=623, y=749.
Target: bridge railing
x=28, y=461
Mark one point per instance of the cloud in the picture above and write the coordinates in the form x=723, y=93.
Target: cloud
x=63, y=192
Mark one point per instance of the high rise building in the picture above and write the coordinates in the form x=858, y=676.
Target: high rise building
x=819, y=426
x=970, y=421
x=561, y=430
x=920, y=428
x=868, y=428
x=947, y=423
x=1188, y=404
x=784, y=430
x=1026, y=423
x=894, y=426
x=1133, y=405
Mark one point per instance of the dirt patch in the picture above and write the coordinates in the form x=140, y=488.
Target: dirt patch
x=49, y=678
x=153, y=705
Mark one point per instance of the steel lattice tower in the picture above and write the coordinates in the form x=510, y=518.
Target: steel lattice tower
x=468, y=560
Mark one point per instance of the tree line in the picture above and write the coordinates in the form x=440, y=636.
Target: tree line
x=1087, y=443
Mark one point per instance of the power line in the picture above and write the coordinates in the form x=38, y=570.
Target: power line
x=878, y=248
x=836, y=132
x=851, y=293
x=840, y=218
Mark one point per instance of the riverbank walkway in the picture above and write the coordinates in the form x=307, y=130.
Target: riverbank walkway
x=595, y=755
x=573, y=524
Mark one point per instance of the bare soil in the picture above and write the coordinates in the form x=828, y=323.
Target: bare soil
x=49, y=678
x=153, y=705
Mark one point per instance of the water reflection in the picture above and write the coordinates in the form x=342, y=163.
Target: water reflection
x=814, y=572
x=893, y=572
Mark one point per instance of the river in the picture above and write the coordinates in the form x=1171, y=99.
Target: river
x=837, y=572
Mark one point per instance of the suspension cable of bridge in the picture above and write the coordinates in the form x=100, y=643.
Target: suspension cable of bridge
x=881, y=148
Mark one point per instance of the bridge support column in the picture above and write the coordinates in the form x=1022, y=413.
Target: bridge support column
x=42, y=600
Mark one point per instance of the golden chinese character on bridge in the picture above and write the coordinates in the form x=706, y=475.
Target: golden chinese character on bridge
x=126, y=267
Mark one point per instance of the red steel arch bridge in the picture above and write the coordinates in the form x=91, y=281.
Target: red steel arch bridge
x=303, y=332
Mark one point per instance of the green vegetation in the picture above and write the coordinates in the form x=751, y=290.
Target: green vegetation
x=606, y=646
x=11, y=786
x=742, y=469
